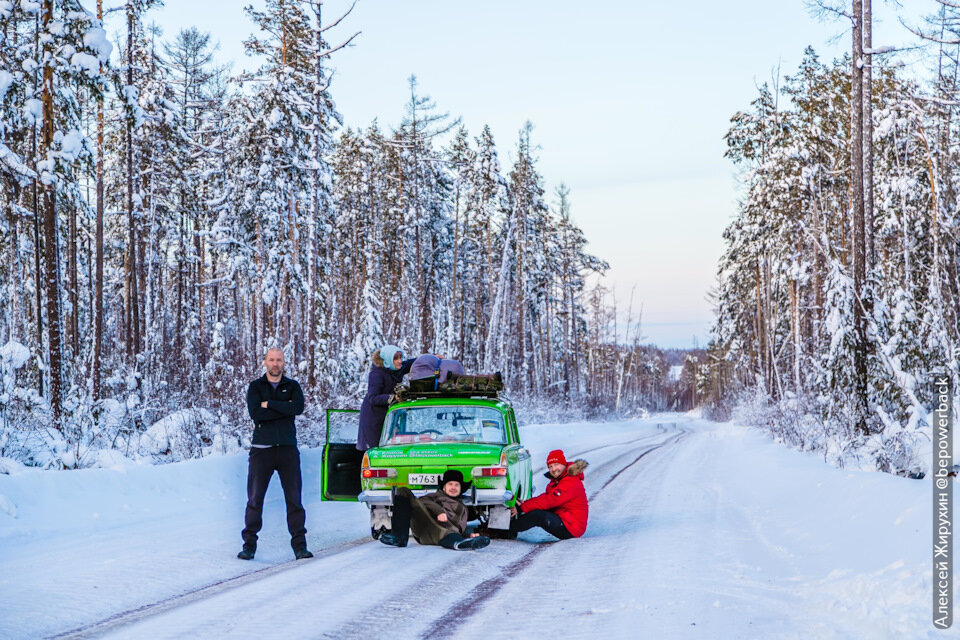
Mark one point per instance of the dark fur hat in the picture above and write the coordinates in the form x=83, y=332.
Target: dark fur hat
x=454, y=475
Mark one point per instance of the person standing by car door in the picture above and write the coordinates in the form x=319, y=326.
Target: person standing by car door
x=273, y=400
x=562, y=509
x=386, y=371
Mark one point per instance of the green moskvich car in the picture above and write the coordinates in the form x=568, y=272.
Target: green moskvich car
x=422, y=437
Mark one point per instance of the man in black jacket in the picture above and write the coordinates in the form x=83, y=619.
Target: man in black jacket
x=273, y=400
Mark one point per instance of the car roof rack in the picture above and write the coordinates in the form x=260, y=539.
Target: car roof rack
x=407, y=394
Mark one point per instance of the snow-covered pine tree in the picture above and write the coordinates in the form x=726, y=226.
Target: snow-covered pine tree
x=460, y=157
x=574, y=264
x=293, y=120
x=72, y=49
x=485, y=214
x=427, y=215
x=787, y=296
x=529, y=214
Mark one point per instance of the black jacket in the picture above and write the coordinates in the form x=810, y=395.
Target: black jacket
x=274, y=425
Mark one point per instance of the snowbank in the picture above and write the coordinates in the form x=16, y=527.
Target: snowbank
x=177, y=431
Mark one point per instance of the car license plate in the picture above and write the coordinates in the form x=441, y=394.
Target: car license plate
x=423, y=478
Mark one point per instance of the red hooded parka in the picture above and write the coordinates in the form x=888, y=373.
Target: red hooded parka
x=566, y=497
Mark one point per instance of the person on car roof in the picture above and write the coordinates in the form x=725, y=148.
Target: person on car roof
x=562, y=509
x=437, y=518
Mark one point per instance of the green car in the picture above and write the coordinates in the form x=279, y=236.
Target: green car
x=422, y=438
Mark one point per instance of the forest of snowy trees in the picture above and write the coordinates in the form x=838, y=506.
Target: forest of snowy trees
x=164, y=221
x=838, y=298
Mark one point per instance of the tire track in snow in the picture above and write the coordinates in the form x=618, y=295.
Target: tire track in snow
x=447, y=625
x=138, y=614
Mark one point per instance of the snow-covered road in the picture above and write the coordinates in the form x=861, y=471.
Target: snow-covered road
x=696, y=530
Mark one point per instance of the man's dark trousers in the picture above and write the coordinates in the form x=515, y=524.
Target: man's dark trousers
x=285, y=460
x=403, y=507
x=546, y=520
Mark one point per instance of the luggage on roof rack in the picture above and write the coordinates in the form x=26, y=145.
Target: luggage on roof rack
x=456, y=386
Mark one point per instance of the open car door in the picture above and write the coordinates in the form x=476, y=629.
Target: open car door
x=340, y=472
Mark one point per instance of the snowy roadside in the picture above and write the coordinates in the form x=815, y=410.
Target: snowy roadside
x=728, y=535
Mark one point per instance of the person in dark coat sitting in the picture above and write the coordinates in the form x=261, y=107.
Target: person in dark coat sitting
x=436, y=518
x=387, y=371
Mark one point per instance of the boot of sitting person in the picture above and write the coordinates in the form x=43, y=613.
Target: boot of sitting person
x=393, y=540
x=471, y=544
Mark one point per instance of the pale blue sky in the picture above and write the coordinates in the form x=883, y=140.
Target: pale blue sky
x=629, y=99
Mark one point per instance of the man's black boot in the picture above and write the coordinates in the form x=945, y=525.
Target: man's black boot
x=247, y=553
x=392, y=539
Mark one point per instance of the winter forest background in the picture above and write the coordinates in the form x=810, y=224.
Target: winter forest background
x=164, y=221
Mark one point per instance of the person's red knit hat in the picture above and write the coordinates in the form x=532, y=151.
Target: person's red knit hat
x=556, y=456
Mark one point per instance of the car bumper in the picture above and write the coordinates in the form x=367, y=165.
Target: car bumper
x=472, y=498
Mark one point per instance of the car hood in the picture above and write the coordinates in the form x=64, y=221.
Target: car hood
x=454, y=454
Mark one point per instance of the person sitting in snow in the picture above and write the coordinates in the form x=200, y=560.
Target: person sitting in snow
x=561, y=510
x=437, y=518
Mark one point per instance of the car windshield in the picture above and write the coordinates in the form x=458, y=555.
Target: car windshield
x=444, y=424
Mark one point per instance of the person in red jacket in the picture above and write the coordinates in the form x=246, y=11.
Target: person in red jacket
x=561, y=510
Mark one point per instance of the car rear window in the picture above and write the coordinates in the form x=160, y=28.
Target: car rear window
x=444, y=424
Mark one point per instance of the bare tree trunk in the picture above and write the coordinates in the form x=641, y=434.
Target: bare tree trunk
x=857, y=226
x=17, y=293
x=37, y=244
x=770, y=325
x=98, y=278
x=817, y=273
x=73, y=328
x=314, y=206
x=461, y=311
x=50, y=254
x=456, y=317
x=133, y=346
x=521, y=307
x=761, y=332
x=795, y=322
x=870, y=253
x=199, y=245
x=546, y=357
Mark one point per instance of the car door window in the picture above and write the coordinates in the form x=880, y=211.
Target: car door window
x=342, y=426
